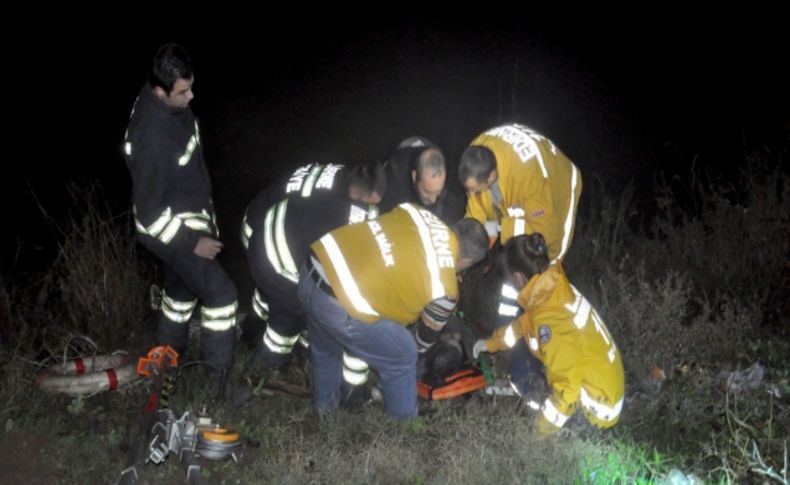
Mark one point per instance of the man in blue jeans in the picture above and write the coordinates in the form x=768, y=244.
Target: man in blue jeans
x=364, y=283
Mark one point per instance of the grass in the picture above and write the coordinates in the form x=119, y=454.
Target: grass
x=698, y=290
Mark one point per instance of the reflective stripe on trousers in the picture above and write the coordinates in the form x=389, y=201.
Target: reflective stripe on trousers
x=355, y=371
x=219, y=319
x=177, y=311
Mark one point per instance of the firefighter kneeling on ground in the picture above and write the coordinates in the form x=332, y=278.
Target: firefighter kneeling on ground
x=277, y=231
x=565, y=333
x=364, y=283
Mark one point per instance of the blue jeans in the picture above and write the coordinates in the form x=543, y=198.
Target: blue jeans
x=386, y=346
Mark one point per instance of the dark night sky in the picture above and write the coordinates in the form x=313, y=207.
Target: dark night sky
x=622, y=99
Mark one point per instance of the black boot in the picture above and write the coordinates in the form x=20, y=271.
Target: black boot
x=354, y=397
x=252, y=330
x=227, y=390
x=270, y=362
x=175, y=335
x=218, y=348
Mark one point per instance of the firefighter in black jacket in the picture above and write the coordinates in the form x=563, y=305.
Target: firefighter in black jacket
x=417, y=173
x=279, y=226
x=173, y=211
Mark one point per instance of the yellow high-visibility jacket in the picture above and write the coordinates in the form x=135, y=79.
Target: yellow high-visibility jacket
x=583, y=364
x=540, y=188
x=393, y=266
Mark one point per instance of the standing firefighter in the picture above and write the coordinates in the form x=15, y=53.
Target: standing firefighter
x=173, y=211
x=582, y=362
x=519, y=182
x=277, y=233
x=363, y=284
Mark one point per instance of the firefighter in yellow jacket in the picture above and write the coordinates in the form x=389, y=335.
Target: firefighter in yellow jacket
x=582, y=363
x=519, y=180
x=364, y=283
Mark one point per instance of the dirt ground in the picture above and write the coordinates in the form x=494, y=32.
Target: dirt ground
x=25, y=458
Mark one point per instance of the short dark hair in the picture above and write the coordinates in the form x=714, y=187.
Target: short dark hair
x=369, y=177
x=477, y=162
x=526, y=254
x=171, y=63
x=472, y=239
x=431, y=159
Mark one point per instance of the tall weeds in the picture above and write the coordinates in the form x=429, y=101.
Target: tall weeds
x=94, y=290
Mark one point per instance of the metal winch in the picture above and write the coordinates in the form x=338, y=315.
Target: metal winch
x=190, y=437
x=191, y=434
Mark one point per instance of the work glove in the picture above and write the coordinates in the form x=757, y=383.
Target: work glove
x=480, y=346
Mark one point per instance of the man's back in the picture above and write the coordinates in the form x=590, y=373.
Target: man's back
x=391, y=267
x=291, y=224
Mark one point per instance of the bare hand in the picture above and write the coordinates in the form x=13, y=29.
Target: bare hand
x=208, y=247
